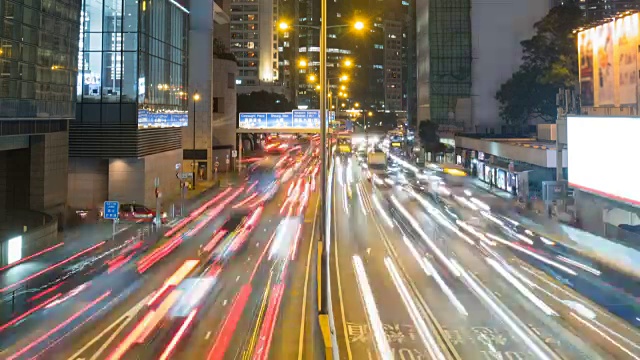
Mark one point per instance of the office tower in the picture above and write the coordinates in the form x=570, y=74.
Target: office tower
x=38, y=65
x=132, y=101
x=393, y=65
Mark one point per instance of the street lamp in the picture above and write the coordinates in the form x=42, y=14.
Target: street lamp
x=312, y=78
x=358, y=25
x=196, y=98
x=302, y=63
x=348, y=63
x=357, y=105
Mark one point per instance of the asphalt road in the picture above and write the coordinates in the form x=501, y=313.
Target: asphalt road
x=464, y=293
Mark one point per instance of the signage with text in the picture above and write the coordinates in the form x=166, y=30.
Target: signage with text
x=296, y=119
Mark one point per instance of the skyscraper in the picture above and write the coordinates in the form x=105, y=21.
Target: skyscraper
x=132, y=100
x=38, y=65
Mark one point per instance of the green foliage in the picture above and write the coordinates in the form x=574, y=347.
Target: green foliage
x=263, y=101
x=220, y=51
x=550, y=62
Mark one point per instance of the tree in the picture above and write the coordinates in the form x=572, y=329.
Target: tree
x=263, y=101
x=549, y=62
x=221, y=51
x=429, y=138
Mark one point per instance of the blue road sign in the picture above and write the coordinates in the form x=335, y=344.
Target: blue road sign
x=253, y=120
x=111, y=209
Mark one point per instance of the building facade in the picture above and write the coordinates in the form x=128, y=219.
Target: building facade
x=213, y=77
x=393, y=92
x=254, y=42
x=38, y=66
x=132, y=93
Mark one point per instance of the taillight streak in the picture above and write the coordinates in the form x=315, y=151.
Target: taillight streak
x=149, y=260
x=58, y=327
x=178, y=336
x=44, y=292
x=27, y=258
x=215, y=240
x=31, y=311
x=196, y=213
x=56, y=265
x=229, y=326
x=268, y=325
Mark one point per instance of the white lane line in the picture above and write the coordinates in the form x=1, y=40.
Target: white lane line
x=344, y=320
x=128, y=316
x=306, y=281
x=206, y=337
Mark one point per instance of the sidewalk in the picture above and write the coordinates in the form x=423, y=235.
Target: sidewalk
x=610, y=252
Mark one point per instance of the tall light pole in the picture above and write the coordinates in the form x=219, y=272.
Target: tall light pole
x=196, y=98
x=358, y=25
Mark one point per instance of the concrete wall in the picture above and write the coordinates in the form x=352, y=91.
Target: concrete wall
x=42, y=232
x=133, y=179
x=497, y=28
x=223, y=123
x=49, y=171
x=88, y=183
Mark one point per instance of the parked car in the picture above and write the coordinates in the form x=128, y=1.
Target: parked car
x=139, y=213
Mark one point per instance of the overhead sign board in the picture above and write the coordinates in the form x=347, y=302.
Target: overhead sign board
x=296, y=119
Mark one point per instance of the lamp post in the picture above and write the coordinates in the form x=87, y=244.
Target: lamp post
x=359, y=25
x=196, y=98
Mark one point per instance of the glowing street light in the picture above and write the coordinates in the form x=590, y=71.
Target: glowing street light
x=357, y=105
x=302, y=63
x=344, y=78
x=359, y=25
x=283, y=26
x=312, y=78
x=343, y=88
x=348, y=63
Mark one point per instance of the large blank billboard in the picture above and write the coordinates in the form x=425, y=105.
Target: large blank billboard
x=602, y=156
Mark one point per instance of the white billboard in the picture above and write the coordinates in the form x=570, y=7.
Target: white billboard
x=602, y=153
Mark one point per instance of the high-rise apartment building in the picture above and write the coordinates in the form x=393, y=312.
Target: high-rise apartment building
x=132, y=101
x=38, y=65
x=254, y=42
x=393, y=65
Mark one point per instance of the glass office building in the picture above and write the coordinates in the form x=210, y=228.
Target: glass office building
x=38, y=43
x=38, y=40
x=132, y=77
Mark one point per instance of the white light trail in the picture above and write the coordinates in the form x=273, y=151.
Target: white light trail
x=423, y=330
x=372, y=310
x=523, y=290
x=506, y=319
x=532, y=254
x=579, y=265
x=424, y=236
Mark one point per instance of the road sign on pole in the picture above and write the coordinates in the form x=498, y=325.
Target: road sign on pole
x=111, y=213
x=111, y=210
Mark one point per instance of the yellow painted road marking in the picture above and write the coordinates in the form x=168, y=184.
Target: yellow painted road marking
x=306, y=281
x=344, y=321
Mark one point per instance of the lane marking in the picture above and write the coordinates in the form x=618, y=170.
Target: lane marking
x=129, y=314
x=206, y=337
x=306, y=281
x=344, y=320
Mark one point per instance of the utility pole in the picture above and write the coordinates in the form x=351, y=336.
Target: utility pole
x=565, y=104
x=323, y=150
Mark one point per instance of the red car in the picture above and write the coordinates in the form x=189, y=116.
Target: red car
x=139, y=213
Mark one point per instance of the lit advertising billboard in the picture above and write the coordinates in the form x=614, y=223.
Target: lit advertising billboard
x=296, y=119
x=608, y=62
x=600, y=149
x=150, y=119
